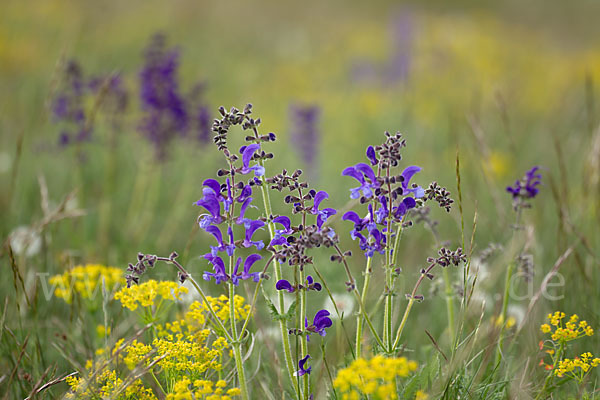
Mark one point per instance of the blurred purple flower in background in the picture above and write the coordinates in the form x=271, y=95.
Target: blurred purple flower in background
x=68, y=105
x=200, y=117
x=397, y=68
x=526, y=188
x=401, y=37
x=305, y=134
x=165, y=114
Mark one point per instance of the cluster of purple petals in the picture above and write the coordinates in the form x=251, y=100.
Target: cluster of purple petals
x=320, y=322
x=217, y=200
x=67, y=106
x=200, y=114
x=305, y=133
x=301, y=366
x=402, y=37
x=115, y=97
x=527, y=187
x=310, y=284
x=370, y=230
x=165, y=113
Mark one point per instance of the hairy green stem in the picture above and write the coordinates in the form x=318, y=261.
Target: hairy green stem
x=289, y=363
x=359, y=319
x=551, y=374
x=411, y=301
x=362, y=309
x=449, y=304
x=239, y=366
x=303, y=339
x=507, y=282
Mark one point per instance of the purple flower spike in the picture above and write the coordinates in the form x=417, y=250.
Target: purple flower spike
x=246, y=274
x=230, y=248
x=367, y=171
x=526, y=188
x=406, y=204
x=382, y=212
x=214, y=185
x=320, y=322
x=250, y=260
x=407, y=174
x=319, y=197
x=322, y=215
x=228, y=201
x=242, y=219
x=216, y=232
x=359, y=223
x=246, y=193
x=312, y=285
x=371, y=155
x=285, y=222
x=218, y=267
x=359, y=172
x=250, y=229
x=247, y=153
x=282, y=284
x=211, y=204
x=301, y=370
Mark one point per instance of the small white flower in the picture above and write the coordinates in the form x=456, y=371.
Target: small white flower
x=268, y=334
x=25, y=241
x=517, y=312
x=345, y=304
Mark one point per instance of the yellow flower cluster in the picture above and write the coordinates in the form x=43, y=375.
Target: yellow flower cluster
x=181, y=347
x=375, y=377
x=567, y=331
x=102, y=331
x=202, y=389
x=421, y=395
x=221, y=307
x=86, y=280
x=143, y=295
x=576, y=367
x=106, y=385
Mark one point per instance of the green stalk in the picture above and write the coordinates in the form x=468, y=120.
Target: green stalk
x=551, y=374
x=502, y=317
x=509, y=272
x=303, y=339
x=359, y=318
x=239, y=366
x=387, y=312
x=280, y=297
x=403, y=322
x=411, y=301
x=362, y=309
x=449, y=304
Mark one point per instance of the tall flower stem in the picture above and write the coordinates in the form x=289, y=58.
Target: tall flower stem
x=449, y=304
x=231, y=337
x=188, y=277
x=239, y=366
x=551, y=374
x=363, y=311
x=283, y=329
x=359, y=318
x=448, y=291
x=389, y=284
x=507, y=284
x=304, y=340
x=411, y=301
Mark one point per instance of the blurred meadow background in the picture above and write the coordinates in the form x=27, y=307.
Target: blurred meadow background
x=503, y=86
